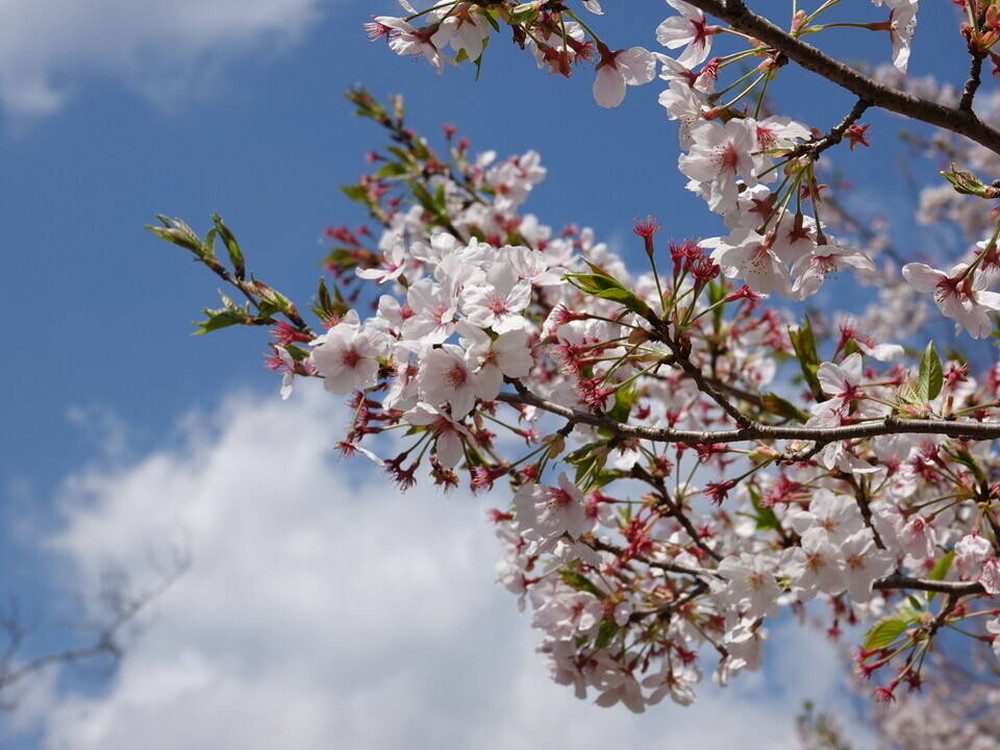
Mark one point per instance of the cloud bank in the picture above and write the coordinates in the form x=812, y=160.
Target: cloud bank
x=166, y=51
x=324, y=610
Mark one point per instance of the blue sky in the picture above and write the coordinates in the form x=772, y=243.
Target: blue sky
x=112, y=113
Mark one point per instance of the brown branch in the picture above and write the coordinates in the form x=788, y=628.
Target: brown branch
x=754, y=431
x=597, y=544
x=667, y=610
x=972, y=84
x=899, y=581
x=961, y=121
x=674, y=509
x=836, y=134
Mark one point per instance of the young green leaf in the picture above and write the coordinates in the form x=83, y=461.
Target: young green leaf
x=885, y=631
x=930, y=377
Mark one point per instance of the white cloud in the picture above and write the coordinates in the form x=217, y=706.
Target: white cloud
x=167, y=51
x=324, y=610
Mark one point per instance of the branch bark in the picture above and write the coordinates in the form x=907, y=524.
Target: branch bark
x=957, y=120
x=755, y=431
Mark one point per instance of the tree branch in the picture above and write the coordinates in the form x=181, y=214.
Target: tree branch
x=899, y=581
x=105, y=642
x=972, y=84
x=887, y=426
x=836, y=134
x=962, y=121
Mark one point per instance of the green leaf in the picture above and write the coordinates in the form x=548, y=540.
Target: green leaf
x=765, y=517
x=804, y=344
x=580, y=582
x=329, y=307
x=236, y=259
x=885, y=631
x=229, y=316
x=967, y=183
x=965, y=458
x=775, y=404
x=179, y=233
x=356, y=193
x=942, y=566
x=392, y=169
x=625, y=398
x=930, y=377
x=605, y=633
x=609, y=288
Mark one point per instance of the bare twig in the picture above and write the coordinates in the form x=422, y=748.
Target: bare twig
x=105, y=642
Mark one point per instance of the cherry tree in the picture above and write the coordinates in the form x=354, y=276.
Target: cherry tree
x=676, y=452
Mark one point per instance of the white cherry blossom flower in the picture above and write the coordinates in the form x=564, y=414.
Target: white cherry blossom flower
x=718, y=155
x=751, y=584
x=747, y=255
x=449, y=434
x=446, y=377
x=465, y=28
x=689, y=30
x=837, y=515
x=958, y=297
x=815, y=566
x=497, y=300
x=864, y=562
x=809, y=272
x=506, y=355
x=615, y=70
x=902, y=24
x=347, y=355
x=409, y=40
x=543, y=514
x=433, y=309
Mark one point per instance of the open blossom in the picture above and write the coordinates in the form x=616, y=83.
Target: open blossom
x=449, y=434
x=446, y=377
x=506, y=355
x=546, y=513
x=347, y=355
x=393, y=262
x=837, y=515
x=746, y=255
x=497, y=300
x=465, y=28
x=433, y=308
x=751, y=584
x=842, y=383
x=901, y=25
x=809, y=271
x=615, y=70
x=405, y=39
x=864, y=562
x=689, y=30
x=718, y=155
x=958, y=295
x=816, y=566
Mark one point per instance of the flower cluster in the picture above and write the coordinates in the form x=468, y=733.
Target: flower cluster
x=682, y=460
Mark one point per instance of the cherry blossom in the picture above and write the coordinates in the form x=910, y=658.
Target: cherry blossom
x=632, y=67
x=684, y=452
x=958, y=295
x=689, y=30
x=347, y=355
